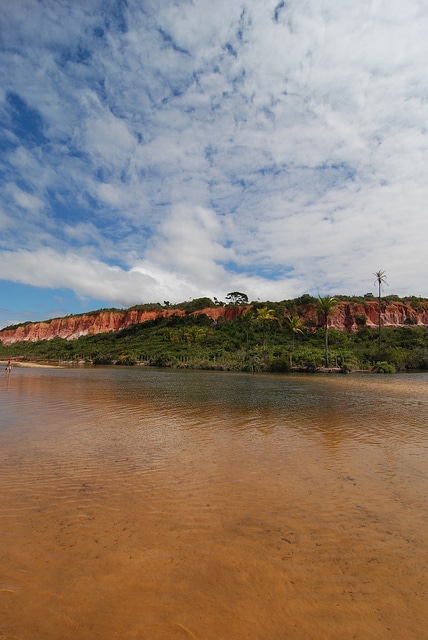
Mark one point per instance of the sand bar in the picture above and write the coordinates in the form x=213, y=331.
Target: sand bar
x=33, y=365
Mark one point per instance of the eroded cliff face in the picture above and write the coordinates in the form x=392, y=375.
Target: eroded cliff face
x=72, y=327
x=351, y=316
x=347, y=316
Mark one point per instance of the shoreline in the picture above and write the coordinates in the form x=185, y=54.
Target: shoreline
x=29, y=365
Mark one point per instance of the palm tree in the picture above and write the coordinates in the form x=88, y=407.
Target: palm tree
x=247, y=318
x=294, y=326
x=326, y=305
x=380, y=280
x=194, y=334
x=265, y=315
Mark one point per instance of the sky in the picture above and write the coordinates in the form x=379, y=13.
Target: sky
x=166, y=150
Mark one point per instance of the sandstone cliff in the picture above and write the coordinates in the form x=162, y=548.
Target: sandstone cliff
x=348, y=316
x=351, y=316
x=72, y=327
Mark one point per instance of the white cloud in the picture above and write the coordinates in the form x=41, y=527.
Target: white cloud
x=108, y=139
x=203, y=147
x=84, y=276
x=25, y=200
x=112, y=195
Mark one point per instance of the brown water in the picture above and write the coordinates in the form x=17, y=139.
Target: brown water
x=145, y=504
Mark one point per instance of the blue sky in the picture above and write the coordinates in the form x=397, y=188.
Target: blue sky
x=158, y=150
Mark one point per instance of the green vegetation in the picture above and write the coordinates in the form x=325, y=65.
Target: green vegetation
x=236, y=297
x=326, y=307
x=267, y=336
x=380, y=280
x=384, y=367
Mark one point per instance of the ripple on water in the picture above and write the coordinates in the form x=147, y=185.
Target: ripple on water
x=274, y=505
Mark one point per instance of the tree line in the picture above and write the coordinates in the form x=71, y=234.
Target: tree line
x=266, y=336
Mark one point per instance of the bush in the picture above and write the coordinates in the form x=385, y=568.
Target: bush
x=125, y=361
x=360, y=319
x=280, y=365
x=162, y=360
x=416, y=303
x=198, y=304
x=103, y=358
x=384, y=367
x=306, y=298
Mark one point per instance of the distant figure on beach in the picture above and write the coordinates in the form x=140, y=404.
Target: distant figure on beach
x=8, y=367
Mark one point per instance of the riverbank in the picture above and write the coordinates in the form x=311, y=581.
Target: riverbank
x=32, y=365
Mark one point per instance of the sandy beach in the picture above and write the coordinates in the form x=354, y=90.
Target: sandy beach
x=32, y=365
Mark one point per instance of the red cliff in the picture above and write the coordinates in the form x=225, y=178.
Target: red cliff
x=347, y=316
x=351, y=316
x=72, y=327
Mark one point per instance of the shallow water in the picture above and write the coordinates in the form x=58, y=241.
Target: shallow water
x=147, y=504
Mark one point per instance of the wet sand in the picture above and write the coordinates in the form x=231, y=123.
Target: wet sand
x=28, y=365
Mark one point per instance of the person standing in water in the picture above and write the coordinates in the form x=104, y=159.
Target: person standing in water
x=8, y=367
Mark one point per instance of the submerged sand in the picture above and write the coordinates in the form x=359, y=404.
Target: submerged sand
x=140, y=510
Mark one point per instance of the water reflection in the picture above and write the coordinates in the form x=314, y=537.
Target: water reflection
x=140, y=503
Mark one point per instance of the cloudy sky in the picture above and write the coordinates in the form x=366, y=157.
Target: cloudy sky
x=156, y=150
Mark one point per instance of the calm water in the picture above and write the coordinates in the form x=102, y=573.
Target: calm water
x=145, y=504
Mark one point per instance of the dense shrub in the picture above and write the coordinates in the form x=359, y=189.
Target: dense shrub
x=103, y=359
x=384, y=367
x=125, y=361
x=280, y=365
x=360, y=319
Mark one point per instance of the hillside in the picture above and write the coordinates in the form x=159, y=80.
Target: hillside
x=348, y=316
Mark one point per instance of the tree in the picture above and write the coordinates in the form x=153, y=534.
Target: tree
x=265, y=315
x=247, y=318
x=294, y=326
x=380, y=280
x=197, y=304
x=236, y=297
x=326, y=306
x=194, y=334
